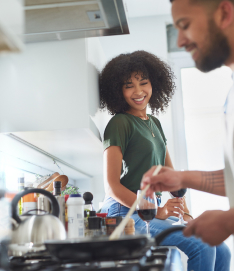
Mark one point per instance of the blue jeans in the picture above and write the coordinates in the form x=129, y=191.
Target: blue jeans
x=201, y=257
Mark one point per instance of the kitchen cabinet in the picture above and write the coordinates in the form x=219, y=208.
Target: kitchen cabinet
x=11, y=25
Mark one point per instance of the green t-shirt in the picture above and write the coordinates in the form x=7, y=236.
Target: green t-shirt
x=140, y=149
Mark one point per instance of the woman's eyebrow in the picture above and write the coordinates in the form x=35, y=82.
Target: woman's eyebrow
x=144, y=79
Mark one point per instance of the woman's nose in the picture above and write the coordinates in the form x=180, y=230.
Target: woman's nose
x=138, y=90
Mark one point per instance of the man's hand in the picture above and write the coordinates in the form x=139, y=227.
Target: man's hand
x=213, y=227
x=166, y=180
x=173, y=207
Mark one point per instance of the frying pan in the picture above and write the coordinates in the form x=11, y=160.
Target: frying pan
x=103, y=249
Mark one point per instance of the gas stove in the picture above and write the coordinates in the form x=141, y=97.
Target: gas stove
x=150, y=259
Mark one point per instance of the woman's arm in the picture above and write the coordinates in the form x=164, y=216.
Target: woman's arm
x=112, y=172
x=168, y=162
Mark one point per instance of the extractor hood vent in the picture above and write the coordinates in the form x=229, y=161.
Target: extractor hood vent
x=63, y=19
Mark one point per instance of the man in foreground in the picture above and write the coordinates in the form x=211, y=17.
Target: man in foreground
x=206, y=30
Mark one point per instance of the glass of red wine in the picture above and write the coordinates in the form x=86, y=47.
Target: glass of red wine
x=147, y=209
x=179, y=194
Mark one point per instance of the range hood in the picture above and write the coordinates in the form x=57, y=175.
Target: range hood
x=47, y=20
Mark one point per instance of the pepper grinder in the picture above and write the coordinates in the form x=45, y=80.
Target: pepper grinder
x=88, y=197
x=61, y=200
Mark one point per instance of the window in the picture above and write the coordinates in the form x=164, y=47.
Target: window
x=198, y=126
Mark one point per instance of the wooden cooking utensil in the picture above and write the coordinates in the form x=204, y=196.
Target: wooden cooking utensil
x=46, y=183
x=116, y=233
x=62, y=178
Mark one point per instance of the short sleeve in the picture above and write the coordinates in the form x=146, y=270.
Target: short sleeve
x=158, y=124
x=118, y=132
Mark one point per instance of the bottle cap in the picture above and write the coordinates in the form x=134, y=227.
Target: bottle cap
x=75, y=196
x=94, y=223
x=57, y=184
x=88, y=197
x=102, y=215
x=92, y=213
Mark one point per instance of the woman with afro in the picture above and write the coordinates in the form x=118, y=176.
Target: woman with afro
x=134, y=141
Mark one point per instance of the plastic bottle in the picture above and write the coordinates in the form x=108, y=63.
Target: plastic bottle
x=75, y=213
x=86, y=224
x=30, y=200
x=20, y=189
x=61, y=200
x=66, y=217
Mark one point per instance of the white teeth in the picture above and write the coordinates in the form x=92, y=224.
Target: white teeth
x=139, y=100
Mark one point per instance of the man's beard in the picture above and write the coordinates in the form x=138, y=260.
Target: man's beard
x=216, y=52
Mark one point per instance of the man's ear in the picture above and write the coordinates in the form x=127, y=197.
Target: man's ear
x=224, y=14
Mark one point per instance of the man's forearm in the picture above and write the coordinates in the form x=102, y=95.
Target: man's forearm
x=207, y=181
x=229, y=220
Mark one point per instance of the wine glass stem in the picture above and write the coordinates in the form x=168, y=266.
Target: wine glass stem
x=147, y=227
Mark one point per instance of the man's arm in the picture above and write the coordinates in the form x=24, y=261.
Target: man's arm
x=170, y=180
x=207, y=181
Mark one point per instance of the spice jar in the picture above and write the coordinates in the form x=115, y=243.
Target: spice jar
x=112, y=223
x=103, y=222
x=95, y=226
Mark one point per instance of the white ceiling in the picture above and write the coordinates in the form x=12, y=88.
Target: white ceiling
x=141, y=8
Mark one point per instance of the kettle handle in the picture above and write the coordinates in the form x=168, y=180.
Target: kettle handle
x=53, y=201
x=162, y=235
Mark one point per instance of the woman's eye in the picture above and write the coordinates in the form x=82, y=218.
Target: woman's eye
x=144, y=83
x=128, y=87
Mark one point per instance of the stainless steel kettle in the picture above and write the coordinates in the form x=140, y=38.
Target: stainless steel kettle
x=30, y=231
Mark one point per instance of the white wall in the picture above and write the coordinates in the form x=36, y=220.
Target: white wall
x=52, y=86
x=44, y=88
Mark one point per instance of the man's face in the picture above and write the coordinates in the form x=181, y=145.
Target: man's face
x=199, y=35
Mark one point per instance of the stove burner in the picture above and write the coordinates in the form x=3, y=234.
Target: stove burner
x=151, y=259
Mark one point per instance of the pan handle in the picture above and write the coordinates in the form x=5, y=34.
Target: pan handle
x=162, y=235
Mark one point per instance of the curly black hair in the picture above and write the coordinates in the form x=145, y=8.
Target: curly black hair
x=116, y=73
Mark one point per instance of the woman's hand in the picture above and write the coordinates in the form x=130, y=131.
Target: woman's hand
x=186, y=210
x=173, y=207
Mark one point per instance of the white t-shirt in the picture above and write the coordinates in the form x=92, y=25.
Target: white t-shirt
x=229, y=146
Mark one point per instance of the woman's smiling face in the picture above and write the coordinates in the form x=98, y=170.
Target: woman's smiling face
x=137, y=91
